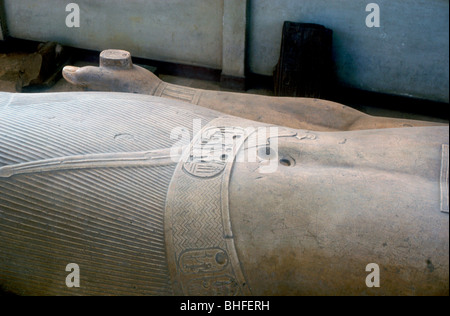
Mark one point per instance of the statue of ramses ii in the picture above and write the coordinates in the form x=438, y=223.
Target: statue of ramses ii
x=148, y=188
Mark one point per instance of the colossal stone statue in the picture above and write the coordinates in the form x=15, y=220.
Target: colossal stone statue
x=117, y=73
x=151, y=196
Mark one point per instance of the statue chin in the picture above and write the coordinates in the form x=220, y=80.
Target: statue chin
x=107, y=193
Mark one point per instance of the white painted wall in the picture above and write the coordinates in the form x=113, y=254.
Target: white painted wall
x=407, y=55
x=181, y=31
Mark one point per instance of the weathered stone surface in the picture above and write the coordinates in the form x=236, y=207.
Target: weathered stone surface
x=304, y=113
x=104, y=180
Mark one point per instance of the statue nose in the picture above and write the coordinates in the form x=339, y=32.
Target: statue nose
x=116, y=58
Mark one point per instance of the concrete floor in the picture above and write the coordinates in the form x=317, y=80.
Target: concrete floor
x=13, y=74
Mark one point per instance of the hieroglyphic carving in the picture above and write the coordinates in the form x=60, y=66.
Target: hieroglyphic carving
x=214, y=148
x=178, y=93
x=200, y=243
x=203, y=260
x=222, y=285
